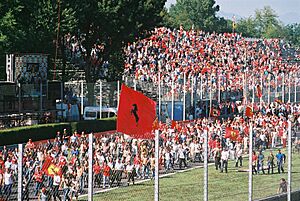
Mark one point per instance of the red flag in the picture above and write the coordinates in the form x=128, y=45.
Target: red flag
x=232, y=134
x=46, y=164
x=259, y=92
x=136, y=114
x=249, y=112
x=173, y=125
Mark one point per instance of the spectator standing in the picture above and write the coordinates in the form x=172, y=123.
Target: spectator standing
x=282, y=186
x=224, y=159
x=271, y=163
x=280, y=159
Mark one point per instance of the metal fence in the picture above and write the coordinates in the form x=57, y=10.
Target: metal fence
x=81, y=165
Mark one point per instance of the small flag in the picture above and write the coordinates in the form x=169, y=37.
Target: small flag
x=232, y=134
x=249, y=112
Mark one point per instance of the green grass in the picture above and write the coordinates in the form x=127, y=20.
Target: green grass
x=232, y=186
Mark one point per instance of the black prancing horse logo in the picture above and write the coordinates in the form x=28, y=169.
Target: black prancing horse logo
x=134, y=111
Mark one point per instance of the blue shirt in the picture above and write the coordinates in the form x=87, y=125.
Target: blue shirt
x=279, y=156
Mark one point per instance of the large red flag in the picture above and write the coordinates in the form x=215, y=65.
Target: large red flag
x=136, y=114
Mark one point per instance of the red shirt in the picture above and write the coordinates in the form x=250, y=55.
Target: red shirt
x=106, y=171
x=97, y=169
x=38, y=176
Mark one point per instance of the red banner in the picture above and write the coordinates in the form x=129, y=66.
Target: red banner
x=136, y=114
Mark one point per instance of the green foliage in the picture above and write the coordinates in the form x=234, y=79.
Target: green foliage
x=48, y=131
x=293, y=33
x=265, y=24
x=200, y=13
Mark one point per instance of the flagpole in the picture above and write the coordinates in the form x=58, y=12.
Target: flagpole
x=172, y=99
x=100, y=101
x=250, y=163
x=159, y=97
x=205, y=187
x=184, y=94
x=118, y=92
x=289, y=161
x=156, y=182
x=210, y=95
x=282, y=87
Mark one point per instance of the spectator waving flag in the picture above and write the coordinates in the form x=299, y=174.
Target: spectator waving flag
x=136, y=114
x=259, y=92
x=232, y=134
x=249, y=111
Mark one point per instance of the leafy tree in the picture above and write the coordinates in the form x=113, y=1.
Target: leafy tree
x=200, y=13
x=293, y=33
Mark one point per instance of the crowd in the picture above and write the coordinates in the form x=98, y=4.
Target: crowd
x=58, y=168
x=117, y=156
x=211, y=61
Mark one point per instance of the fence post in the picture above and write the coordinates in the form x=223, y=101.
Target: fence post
x=41, y=98
x=205, y=187
x=90, y=170
x=100, y=100
x=184, y=94
x=282, y=87
x=81, y=95
x=61, y=102
x=201, y=87
x=296, y=79
x=289, y=80
x=20, y=93
x=156, y=182
x=172, y=99
x=20, y=172
x=250, y=163
x=269, y=89
x=289, y=187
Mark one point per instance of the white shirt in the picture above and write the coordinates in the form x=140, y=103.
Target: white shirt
x=224, y=155
x=56, y=180
x=119, y=166
x=8, y=178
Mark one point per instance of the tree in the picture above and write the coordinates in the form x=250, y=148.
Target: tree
x=200, y=13
x=293, y=33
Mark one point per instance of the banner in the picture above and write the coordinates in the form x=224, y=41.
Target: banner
x=136, y=114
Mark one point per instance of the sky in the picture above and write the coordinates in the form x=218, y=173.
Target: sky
x=287, y=10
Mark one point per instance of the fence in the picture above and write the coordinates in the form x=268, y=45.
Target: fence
x=79, y=164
